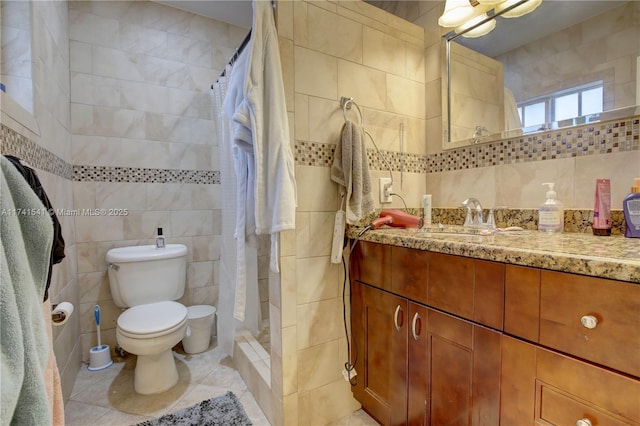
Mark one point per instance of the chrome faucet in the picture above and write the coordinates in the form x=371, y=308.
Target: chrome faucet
x=477, y=221
x=473, y=203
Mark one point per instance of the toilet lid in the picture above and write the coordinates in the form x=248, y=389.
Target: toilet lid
x=152, y=317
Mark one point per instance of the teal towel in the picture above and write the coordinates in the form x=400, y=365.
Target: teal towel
x=25, y=250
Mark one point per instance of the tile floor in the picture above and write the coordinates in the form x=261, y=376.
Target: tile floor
x=107, y=397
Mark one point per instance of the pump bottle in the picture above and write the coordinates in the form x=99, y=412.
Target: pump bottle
x=551, y=213
x=160, y=241
x=631, y=208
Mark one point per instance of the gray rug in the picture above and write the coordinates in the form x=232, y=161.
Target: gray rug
x=225, y=410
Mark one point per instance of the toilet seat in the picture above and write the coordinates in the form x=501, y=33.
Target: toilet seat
x=152, y=319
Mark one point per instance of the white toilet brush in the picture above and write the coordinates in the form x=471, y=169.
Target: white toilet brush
x=99, y=356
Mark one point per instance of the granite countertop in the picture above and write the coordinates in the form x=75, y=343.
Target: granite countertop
x=613, y=257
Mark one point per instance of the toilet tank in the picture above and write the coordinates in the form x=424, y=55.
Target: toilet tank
x=146, y=274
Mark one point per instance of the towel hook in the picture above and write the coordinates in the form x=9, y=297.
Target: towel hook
x=346, y=103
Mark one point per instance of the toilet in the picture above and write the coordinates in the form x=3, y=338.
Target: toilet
x=146, y=281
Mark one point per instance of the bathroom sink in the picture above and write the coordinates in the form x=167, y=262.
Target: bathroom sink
x=455, y=230
x=458, y=230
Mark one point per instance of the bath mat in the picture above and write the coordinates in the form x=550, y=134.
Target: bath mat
x=225, y=410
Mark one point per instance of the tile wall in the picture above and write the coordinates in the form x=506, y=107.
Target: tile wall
x=143, y=142
x=43, y=139
x=329, y=50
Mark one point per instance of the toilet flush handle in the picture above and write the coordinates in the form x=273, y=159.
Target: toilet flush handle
x=113, y=266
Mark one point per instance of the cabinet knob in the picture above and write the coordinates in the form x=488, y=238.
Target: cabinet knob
x=584, y=422
x=590, y=322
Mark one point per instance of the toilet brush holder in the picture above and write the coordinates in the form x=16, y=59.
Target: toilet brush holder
x=99, y=358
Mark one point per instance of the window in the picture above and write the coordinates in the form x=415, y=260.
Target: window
x=541, y=112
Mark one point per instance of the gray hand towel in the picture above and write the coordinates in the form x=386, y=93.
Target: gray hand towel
x=350, y=170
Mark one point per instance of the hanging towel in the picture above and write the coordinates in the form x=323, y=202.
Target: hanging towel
x=25, y=251
x=350, y=169
x=57, y=250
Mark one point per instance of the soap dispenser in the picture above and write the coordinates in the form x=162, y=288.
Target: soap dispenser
x=551, y=213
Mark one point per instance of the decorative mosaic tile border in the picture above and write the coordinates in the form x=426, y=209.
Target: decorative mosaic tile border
x=142, y=175
x=595, y=139
x=13, y=143
x=321, y=155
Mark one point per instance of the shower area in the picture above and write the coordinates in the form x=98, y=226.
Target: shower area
x=243, y=295
x=143, y=137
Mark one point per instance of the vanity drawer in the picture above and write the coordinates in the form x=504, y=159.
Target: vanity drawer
x=470, y=288
x=370, y=263
x=557, y=408
x=409, y=277
x=568, y=390
x=613, y=307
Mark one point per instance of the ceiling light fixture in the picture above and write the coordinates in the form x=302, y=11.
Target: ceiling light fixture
x=465, y=14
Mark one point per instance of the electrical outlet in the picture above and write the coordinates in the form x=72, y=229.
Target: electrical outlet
x=385, y=190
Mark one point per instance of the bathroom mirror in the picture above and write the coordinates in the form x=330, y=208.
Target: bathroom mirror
x=567, y=63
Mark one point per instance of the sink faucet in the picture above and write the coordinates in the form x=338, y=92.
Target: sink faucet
x=478, y=220
x=473, y=203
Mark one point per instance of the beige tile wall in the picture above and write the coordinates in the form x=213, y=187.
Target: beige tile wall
x=48, y=128
x=334, y=49
x=140, y=74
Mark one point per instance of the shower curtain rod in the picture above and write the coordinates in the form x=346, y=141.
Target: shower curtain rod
x=236, y=55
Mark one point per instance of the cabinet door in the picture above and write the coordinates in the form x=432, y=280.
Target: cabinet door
x=418, y=364
x=464, y=372
x=379, y=328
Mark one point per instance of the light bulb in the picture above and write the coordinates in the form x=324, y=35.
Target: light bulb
x=456, y=13
x=480, y=30
x=518, y=11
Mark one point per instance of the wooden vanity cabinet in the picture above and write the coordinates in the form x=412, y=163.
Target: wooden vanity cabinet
x=448, y=340
x=418, y=365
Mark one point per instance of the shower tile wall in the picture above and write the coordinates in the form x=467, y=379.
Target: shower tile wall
x=143, y=141
x=329, y=50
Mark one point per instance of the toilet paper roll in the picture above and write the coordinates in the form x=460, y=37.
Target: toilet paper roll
x=61, y=313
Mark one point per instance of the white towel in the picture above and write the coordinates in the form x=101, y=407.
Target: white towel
x=350, y=170
x=262, y=148
x=262, y=113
